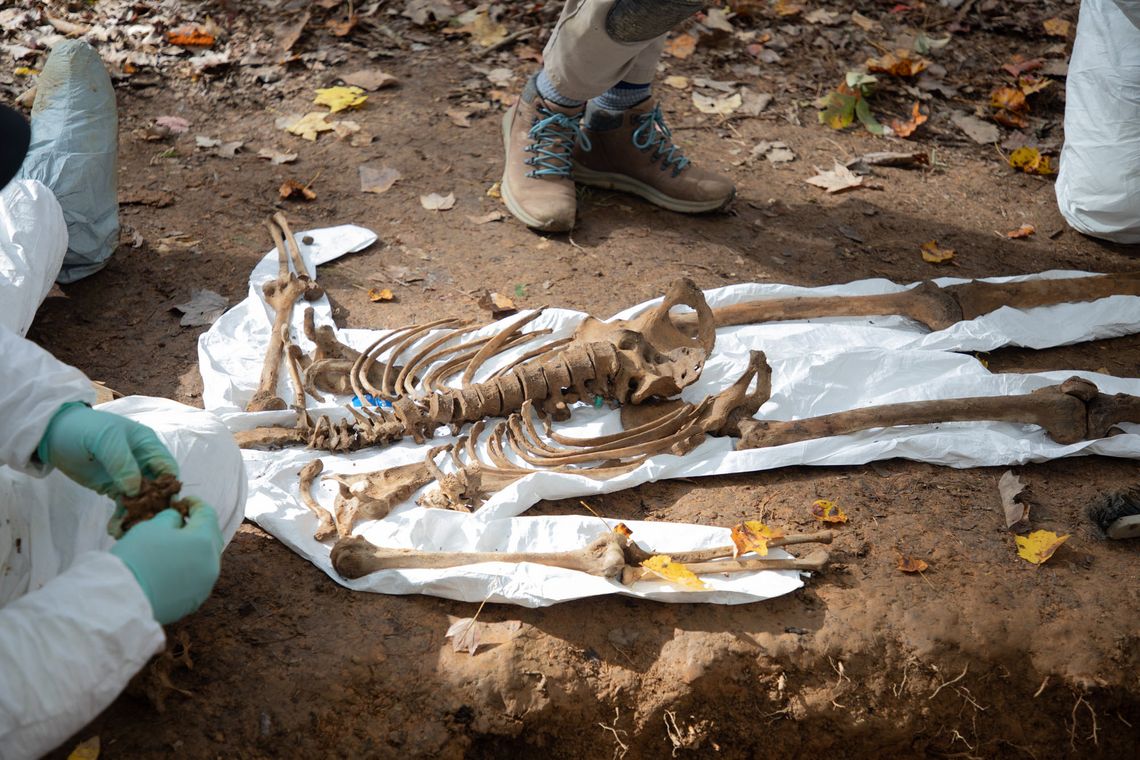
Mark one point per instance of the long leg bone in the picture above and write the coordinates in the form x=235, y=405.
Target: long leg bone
x=1073, y=411
x=636, y=555
x=814, y=562
x=325, y=526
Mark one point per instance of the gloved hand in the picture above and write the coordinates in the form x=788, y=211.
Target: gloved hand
x=175, y=564
x=102, y=451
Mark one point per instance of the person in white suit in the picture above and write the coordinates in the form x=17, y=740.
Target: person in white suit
x=82, y=612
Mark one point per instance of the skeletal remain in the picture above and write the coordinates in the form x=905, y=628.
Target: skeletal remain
x=1070, y=412
x=608, y=556
x=326, y=528
x=280, y=294
x=814, y=562
x=635, y=555
x=926, y=303
x=372, y=495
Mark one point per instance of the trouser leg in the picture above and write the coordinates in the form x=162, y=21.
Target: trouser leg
x=45, y=523
x=598, y=43
x=33, y=242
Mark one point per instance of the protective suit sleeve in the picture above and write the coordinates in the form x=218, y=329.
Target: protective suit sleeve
x=33, y=385
x=68, y=649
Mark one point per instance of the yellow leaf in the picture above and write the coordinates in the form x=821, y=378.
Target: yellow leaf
x=86, y=750
x=1030, y=85
x=384, y=294
x=674, y=572
x=932, y=254
x=1030, y=161
x=827, y=511
x=1057, y=27
x=753, y=536
x=910, y=564
x=25, y=71
x=310, y=125
x=340, y=98
x=681, y=46
x=494, y=191
x=483, y=31
x=1039, y=545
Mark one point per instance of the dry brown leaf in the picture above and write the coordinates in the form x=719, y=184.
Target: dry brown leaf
x=1023, y=231
x=1010, y=107
x=725, y=105
x=377, y=179
x=342, y=27
x=932, y=254
x=681, y=46
x=717, y=19
x=864, y=23
x=906, y=128
x=190, y=36
x=623, y=530
x=678, y=82
x=464, y=635
x=437, y=202
x=898, y=64
x=287, y=34
x=483, y=30
x=1016, y=512
x=459, y=118
x=493, y=216
x=380, y=294
x=752, y=536
x=981, y=132
x=275, y=156
x=1019, y=64
x=909, y=564
x=293, y=190
x=676, y=573
x=1057, y=27
x=370, y=79
x=837, y=180
x=827, y=511
x=787, y=8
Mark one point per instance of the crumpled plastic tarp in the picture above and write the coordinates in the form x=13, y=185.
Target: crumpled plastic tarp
x=819, y=366
x=33, y=241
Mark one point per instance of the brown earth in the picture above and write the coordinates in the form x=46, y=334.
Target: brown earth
x=984, y=655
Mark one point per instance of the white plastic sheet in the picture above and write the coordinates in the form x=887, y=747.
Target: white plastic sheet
x=818, y=367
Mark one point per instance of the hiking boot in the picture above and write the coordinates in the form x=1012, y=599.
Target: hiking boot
x=539, y=139
x=633, y=151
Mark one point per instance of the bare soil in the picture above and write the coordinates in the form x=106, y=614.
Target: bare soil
x=984, y=655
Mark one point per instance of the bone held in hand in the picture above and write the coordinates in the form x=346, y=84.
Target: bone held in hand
x=355, y=557
x=814, y=563
x=1073, y=411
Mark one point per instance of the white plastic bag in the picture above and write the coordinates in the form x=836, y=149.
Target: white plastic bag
x=1098, y=188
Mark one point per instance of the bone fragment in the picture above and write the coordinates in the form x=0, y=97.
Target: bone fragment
x=354, y=557
x=325, y=526
x=635, y=555
x=814, y=562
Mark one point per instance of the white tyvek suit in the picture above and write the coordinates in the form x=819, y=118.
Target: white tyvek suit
x=74, y=624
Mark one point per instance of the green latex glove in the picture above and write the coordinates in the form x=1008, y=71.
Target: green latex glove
x=175, y=564
x=102, y=451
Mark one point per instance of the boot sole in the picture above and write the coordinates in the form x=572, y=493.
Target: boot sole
x=611, y=181
x=508, y=195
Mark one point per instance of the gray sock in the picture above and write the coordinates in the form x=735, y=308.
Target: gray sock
x=622, y=95
x=549, y=92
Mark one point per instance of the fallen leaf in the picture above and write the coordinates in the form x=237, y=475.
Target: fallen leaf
x=437, y=202
x=722, y=106
x=1021, y=232
x=1018, y=65
x=1039, y=545
x=176, y=125
x=342, y=27
x=717, y=18
x=908, y=160
x=459, y=118
x=898, y=64
x=345, y=128
x=382, y=294
x=1010, y=107
x=293, y=190
x=906, y=128
x=483, y=30
x=681, y=46
x=202, y=141
x=494, y=191
x=307, y=127
x=1032, y=85
x=229, y=149
x=1057, y=27
x=377, y=179
x=1016, y=512
x=286, y=35
x=370, y=79
x=86, y=750
x=464, y=634
x=720, y=85
x=910, y=564
x=276, y=157
x=754, y=103
x=423, y=11
x=678, y=82
x=981, y=132
x=752, y=536
x=836, y=180
x=498, y=304
x=932, y=254
x=623, y=530
x=203, y=308
x=848, y=102
x=822, y=16
x=666, y=569
x=1030, y=161
x=340, y=98
x=494, y=216
x=500, y=77
x=827, y=511
x=864, y=23
x=787, y=8
x=190, y=36
x=25, y=71
x=775, y=152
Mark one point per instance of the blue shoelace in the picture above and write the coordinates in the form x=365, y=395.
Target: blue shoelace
x=653, y=133
x=554, y=136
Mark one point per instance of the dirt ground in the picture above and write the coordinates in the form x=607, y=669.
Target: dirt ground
x=984, y=655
